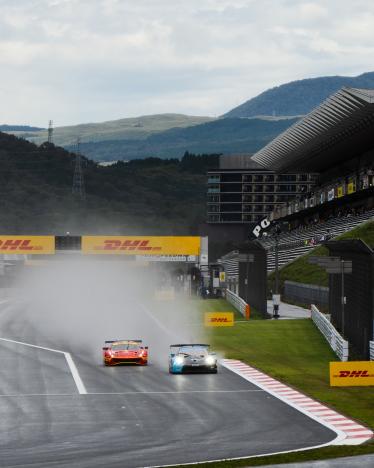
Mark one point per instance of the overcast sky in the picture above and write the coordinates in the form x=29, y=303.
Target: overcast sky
x=79, y=61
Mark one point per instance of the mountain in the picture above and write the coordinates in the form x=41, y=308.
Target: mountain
x=298, y=97
x=137, y=128
x=150, y=196
x=219, y=136
x=19, y=128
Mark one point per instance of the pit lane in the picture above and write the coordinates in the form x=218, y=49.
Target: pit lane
x=131, y=416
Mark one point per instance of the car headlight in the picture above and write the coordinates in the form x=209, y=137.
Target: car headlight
x=210, y=360
x=179, y=360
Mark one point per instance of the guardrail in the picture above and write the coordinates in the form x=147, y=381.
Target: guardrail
x=338, y=344
x=371, y=347
x=306, y=293
x=238, y=303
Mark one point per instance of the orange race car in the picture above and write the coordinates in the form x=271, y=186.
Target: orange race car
x=125, y=352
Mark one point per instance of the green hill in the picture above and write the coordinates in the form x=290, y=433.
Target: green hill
x=298, y=97
x=219, y=136
x=137, y=128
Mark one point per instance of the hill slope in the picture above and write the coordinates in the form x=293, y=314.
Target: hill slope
x=148, y=196
x=124, y=129
x=220, y=136
x=298, y=97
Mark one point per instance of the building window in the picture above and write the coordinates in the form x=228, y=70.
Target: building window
x=213, y=189
x=213, y=208
x=213, y=198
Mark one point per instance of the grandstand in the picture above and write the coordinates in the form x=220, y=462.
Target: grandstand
x=336, y=142
x=299, y=242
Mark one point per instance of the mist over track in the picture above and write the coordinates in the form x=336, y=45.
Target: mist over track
x=130, y=416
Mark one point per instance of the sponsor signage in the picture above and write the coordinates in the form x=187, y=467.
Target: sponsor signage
x=32, y=245
x=168, y=258
x=219, y=319
x=264, y=224
x=141, y=245
x=222, y=276
x=352, y=373
x=165, y=294
x=331, y=195
x=340, y=192
x=350, y=188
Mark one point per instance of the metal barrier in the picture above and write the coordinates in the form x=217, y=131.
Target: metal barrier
x=371, y=346
x=338, y=344
x=238, y=303
x=306, y=293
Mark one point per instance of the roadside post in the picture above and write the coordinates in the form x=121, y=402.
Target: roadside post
x=335, y=266
x=246, y=258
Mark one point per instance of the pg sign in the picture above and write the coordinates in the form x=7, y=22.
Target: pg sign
x=352, y=374
x=264, y=224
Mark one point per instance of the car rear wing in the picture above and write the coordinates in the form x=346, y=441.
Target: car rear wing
x=128, y=341
x=189, y=344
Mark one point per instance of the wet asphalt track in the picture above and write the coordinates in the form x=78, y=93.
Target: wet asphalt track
x=131, y=416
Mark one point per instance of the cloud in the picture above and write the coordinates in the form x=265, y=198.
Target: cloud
x=79, y=60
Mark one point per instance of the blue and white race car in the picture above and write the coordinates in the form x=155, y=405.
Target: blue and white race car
x=191, y=358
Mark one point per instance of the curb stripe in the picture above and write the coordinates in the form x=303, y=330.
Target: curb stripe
x=348, y=432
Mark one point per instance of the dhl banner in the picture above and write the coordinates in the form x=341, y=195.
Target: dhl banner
x=352, y=373
x=27, y=245
x=219, y=319
x=222, y=276
x=141, y=245
x=340, y=191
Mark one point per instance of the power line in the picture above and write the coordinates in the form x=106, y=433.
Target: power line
x=50, y=132
x=78, y=189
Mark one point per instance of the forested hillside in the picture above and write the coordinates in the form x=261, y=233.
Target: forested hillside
x=219, y=136
x=150, y=196
x=298, y=97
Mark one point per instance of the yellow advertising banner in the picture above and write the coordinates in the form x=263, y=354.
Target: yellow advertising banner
x=222, y=276
x=351, y=187
x=166, y=294
x=32, y=245
x=351, y=374
x=141, y=245
x=219, y=319
x=340, y=191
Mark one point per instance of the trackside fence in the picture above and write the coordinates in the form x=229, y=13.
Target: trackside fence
x=371, y=346
x=338, y=344
x=238, y=303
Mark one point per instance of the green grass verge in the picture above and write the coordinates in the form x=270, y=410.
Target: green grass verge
x=301, y=271
x=294, y=352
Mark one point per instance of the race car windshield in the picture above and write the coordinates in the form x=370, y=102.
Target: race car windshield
x=125, y=347
x=193, y=350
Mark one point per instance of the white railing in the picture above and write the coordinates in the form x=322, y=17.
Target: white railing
x=338, y=344
x=237, y=302
x=371, y=346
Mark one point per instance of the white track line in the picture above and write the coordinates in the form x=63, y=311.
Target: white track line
x=72, y=367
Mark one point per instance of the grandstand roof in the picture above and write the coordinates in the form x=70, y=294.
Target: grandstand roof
x=238, y=161
x=341, y=128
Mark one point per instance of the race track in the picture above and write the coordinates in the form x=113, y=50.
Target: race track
x=130, y=416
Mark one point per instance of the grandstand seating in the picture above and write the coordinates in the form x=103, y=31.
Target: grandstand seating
x=292, y=244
